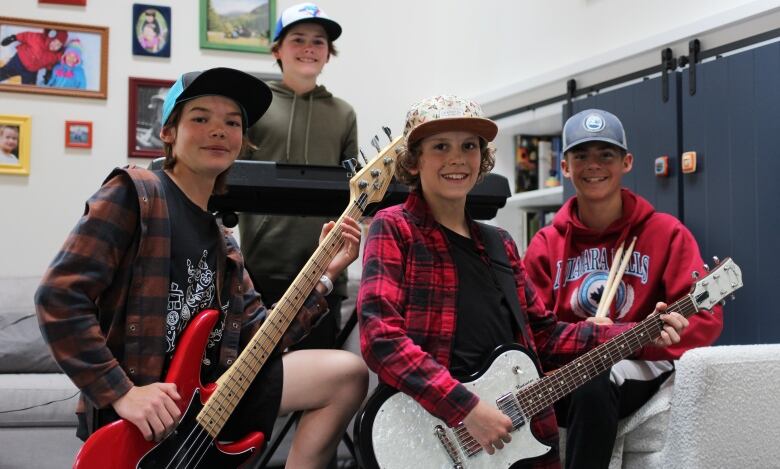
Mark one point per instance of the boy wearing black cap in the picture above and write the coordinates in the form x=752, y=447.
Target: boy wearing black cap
x=569, y=263
x=305, y=125
x=147, y=256
x=431, y=306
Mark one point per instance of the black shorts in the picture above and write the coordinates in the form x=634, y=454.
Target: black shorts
x=256, y=411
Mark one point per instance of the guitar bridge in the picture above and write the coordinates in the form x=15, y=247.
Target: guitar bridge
x=450, y=448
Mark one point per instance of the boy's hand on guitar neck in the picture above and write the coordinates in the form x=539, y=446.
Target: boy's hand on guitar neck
x=674, y=323
x=489, y=426
x=151, y=408
x=350, y=233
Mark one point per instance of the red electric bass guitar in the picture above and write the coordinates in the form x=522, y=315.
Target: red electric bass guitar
x=206, y=408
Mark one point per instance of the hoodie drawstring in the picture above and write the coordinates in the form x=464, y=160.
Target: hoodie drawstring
x=562, y=269
x=308, y=127
x=289, y=129
x=308, y=124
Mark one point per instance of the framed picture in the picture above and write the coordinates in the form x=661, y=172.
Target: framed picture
x=78, y=134
x=151, y=30
x=15, y=144
x=143, y=122
x=53, y=58
x=243, y=25
x=65, y=2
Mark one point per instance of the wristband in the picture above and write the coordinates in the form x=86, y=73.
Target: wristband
x=325, y=281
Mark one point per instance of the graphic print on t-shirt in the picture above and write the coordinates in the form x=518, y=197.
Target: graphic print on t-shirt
x=186, y=302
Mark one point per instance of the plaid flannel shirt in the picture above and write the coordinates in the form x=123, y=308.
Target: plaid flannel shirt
x=407, y=310
x=102, y=302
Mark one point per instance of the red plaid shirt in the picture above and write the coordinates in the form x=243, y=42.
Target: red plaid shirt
x=102, y=302
x=407, y=309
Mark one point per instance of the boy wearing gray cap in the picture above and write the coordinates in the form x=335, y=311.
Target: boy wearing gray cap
x=143, y=267
x=569, y=263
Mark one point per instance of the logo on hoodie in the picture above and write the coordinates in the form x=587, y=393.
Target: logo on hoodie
x=593, y=268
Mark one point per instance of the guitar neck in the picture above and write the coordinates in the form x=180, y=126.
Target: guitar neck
x=546, y=391
x=232, y=385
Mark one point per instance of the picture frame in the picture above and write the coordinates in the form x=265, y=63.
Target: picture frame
x=151, y=30
x=145, y=100
x=246, y=30
x=78, y=134
x=15, y=139
x=65, y=2
x=79, y=67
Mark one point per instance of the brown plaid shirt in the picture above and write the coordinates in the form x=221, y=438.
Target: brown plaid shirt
x=102, y=302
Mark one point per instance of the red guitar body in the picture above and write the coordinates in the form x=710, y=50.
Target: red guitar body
x=121, y=445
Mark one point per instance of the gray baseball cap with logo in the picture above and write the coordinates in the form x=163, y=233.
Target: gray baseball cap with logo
x=593, y=125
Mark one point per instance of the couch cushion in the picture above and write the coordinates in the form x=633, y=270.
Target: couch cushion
x=22, y=349
x=44, y=399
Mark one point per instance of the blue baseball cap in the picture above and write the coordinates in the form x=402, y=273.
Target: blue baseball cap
x=593, y=125
x=251, y=94
x=306, y=12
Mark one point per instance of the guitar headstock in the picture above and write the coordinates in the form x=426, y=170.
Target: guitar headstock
x=370, y=183
x=721, y=282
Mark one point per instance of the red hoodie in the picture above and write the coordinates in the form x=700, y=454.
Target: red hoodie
x=569, y=264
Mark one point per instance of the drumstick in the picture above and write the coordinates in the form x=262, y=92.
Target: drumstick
x=616, y=281
x=612, y=272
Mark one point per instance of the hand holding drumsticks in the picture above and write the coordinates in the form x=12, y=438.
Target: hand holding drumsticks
x=614, y=278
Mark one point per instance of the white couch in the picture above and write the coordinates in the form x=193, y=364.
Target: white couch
x=721, y=409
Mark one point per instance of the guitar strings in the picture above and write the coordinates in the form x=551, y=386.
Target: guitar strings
x=636, y=337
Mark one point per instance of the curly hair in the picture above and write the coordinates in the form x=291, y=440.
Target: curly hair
x=220, y=185
x=409, y=157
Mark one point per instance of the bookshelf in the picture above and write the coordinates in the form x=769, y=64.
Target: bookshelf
x=526, y=211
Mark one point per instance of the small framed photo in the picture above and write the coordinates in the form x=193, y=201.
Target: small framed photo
x=243, y=26
x=78, y=134
x=65, y=2
x=145, y=112
x=53, y=58
x=151, y=30
x=15, y=141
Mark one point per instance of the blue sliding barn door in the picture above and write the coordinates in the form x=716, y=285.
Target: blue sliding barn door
x=732, y=202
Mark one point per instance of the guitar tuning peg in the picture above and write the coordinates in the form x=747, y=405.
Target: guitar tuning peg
x=375, y=143
x=716, y=260
x=722, y=302
x=387, y=131
x=706, y=267
x=363, y=161
x=695, y=275
x=733, y=297
x=349, y=164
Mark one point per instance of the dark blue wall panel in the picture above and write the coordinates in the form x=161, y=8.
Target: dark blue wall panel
x=732, y=204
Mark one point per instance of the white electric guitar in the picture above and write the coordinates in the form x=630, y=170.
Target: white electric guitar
x=395, y=432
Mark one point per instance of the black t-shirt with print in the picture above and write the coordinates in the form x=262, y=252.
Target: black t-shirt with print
x=195, y=236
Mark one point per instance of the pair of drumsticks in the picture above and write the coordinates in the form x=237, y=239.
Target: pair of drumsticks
x=619, y=264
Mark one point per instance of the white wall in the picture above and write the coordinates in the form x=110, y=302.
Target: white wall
x=391, y=54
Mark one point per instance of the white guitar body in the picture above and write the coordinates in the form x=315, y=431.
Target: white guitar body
x=406, y=436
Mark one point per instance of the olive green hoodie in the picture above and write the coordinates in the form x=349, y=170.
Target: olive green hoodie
x=314, y=128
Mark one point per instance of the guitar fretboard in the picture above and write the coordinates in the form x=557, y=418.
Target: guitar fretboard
x=542, y=393
x=232, y=385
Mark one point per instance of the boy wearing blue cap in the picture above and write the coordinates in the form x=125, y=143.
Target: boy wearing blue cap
x=305, y=125
x=147, y=256
x=569, y=263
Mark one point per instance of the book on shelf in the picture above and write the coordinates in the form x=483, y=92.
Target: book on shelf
x=537, y=162
x=531, y=222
